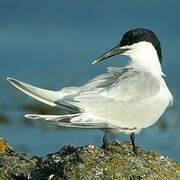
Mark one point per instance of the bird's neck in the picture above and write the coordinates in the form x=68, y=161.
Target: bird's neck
x=146, y=59
x=153, y=67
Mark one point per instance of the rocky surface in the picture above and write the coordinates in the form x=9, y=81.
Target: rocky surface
x=117, y=161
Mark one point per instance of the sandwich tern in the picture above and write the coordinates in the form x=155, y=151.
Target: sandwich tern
x=126, y=99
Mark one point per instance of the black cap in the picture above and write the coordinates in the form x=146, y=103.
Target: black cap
x=141, y=34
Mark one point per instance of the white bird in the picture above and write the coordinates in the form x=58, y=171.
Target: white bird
x=126, y=99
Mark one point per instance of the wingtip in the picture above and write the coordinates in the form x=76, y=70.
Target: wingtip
x=8, y=78
x=94, y=62
x=31, y=116
x=27, y=116
x=11, y=80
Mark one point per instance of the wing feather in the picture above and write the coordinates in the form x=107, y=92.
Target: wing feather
x=122, y=99
x=122, y=84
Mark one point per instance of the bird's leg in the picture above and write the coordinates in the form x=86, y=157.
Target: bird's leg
x=132, y=137
x=105, y=139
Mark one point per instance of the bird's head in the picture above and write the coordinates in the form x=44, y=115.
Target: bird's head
x=138, y=44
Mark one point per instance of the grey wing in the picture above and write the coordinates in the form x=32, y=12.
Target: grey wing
x=121, y=98
x=106, y=79
x=105, y=100
x=122, y=84
x=133, y=85
x=95, y=85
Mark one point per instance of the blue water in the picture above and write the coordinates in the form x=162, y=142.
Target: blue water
x=52, y=44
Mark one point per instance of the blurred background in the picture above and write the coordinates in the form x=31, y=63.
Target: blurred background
x=51, y=44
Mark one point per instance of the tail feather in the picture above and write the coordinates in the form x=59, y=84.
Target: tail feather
x=52, y=98
x=70, y=120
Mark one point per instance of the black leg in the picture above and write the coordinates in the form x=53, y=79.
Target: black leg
x=132, y=137
x=105, y=139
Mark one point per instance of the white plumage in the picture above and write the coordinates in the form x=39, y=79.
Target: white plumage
x=125, y=99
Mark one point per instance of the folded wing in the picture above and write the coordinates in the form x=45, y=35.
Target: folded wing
x=111, y=100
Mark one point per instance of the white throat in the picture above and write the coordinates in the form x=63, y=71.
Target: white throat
x=144, y=56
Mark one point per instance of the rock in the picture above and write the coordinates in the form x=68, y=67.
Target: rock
x=4, y=146
x=14, y=165
x=117, y=161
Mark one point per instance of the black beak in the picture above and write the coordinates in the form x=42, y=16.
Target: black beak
x=115, y=51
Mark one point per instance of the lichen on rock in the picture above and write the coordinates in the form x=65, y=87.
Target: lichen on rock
x=116, y=161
